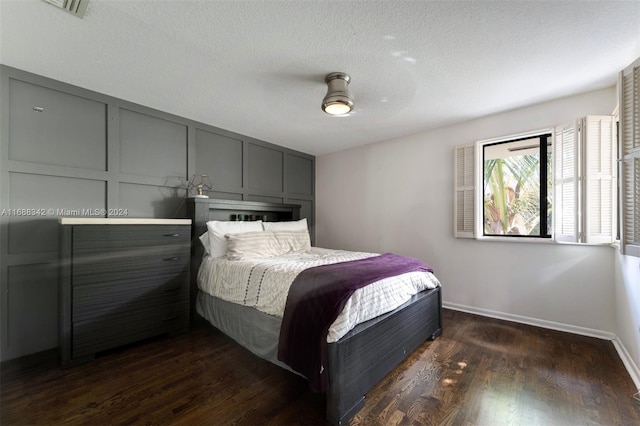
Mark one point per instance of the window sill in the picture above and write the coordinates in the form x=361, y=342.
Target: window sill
x=517, y=239
x=521, y=240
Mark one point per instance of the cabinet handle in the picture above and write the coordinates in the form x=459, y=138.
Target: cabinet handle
x=170, y=318
x=171, y=259
x=171, y=235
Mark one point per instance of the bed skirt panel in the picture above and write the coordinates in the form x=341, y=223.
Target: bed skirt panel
x=255, y=330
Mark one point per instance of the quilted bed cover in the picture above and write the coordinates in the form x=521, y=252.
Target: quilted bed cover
x=264, y=284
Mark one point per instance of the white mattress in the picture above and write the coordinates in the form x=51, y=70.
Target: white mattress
x=264, y=284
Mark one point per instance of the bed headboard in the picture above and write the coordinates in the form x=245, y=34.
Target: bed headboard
x=202, y=210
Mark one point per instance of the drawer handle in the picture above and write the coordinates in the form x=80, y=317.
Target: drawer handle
x=171, y=259
x=171, y=235
x=170, y=318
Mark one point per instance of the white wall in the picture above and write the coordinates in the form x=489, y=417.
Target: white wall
x=627, y=307
x=398, y=196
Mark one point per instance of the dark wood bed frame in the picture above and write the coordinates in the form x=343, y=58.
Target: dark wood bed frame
x=360, y=359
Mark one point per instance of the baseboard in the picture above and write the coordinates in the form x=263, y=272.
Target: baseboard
x=627, y=360
x=531, y=321
x=27, y=364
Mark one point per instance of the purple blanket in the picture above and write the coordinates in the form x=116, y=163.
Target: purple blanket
x=316, y=298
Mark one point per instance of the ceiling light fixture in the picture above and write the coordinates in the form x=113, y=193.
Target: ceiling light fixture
x=74, y=7
x=337, y=101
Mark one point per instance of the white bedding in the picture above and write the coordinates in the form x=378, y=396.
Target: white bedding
x=264, y=284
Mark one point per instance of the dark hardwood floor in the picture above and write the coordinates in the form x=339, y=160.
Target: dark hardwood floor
x=481, y=371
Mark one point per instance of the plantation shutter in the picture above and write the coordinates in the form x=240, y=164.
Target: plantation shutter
x=565, y=183
x=464, y=203
x=629, y=96
x=599, y=211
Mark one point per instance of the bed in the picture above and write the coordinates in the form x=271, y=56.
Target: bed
x=357, y=360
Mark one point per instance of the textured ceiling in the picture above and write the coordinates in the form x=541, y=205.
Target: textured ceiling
x=258, y=67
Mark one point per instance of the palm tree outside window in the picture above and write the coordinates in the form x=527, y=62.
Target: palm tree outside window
x=517, y=187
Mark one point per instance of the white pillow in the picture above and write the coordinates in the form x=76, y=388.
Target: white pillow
x=204, y=239
x=295, y=225
x=218, y=229
x=266, y=244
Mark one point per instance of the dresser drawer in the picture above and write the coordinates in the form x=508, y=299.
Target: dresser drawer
x=97, y=238
x=131, y=264
x=120, y=296
x=110, y=331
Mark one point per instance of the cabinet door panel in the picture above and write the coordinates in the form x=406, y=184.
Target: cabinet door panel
x=51, y=127
x=152, y=146
x=110, y=298
x=110, y=331
x=129, y=267
x=97, y=237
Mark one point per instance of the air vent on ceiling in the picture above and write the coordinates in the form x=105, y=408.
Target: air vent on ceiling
x=74, y=7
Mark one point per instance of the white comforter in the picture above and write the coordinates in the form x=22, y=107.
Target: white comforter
x=264, y=284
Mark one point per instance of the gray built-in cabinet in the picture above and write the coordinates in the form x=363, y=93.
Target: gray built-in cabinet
x=71, y=152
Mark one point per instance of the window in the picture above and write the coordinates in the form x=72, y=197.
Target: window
x=558, y=184
x=517, y=186
x=629, y=97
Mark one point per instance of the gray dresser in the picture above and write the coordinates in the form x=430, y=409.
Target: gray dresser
x=121, y=280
